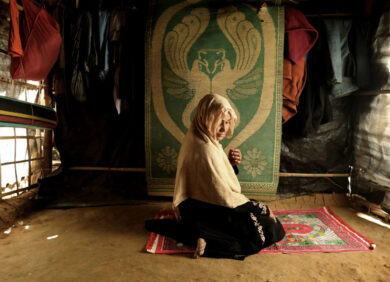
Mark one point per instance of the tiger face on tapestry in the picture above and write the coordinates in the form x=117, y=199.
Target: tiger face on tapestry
x=196, y=49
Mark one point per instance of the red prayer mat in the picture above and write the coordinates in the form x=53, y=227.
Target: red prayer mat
x=307, y=231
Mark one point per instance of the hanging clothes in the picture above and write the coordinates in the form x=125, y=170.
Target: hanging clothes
x=132, y=72
x=90, y=55
x=361, y=52
x=80, y=51
x=300, y=34
x=34, y=41
x=294, y=79
x=15, y=48
x=117, y=29
x=314, y=106
x=101, y=20
x=342, y=68
x=300, y=38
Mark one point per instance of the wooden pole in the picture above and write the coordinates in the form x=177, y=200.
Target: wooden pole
x=294, y=174
x=48, y=135
x=142, y=169
x=332, y=15
x=371, y=92
x=16, y=170
x=129, y=169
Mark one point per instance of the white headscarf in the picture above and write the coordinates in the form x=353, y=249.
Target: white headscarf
x=204, y=172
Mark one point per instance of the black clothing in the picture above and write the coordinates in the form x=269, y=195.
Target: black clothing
x=236, y=171
x=229, y=233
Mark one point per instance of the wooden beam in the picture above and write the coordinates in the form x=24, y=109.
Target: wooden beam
x=21, y=83
x=371, y=92
x=296, y=174
x=142, y=169
x=129, y=169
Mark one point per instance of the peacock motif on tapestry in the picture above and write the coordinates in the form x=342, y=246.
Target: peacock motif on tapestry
x=212, y=71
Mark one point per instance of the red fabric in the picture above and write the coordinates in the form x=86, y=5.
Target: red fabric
x=41, y=40
x=294, y=79
x=300, y=34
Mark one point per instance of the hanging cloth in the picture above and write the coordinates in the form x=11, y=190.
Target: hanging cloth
x=300, y=38
x=15, y=44
x=300, y=34
x=294, y=80
x=34, y=41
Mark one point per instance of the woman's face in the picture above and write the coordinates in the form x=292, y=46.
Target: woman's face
x=223, y=127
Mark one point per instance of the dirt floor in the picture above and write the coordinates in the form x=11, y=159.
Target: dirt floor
x=107, y=244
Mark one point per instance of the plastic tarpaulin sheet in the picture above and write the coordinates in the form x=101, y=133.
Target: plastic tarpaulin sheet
x=372, y=147
x=328, y=150
x=372, y=139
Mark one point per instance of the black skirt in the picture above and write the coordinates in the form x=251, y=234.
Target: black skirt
x=229, y=233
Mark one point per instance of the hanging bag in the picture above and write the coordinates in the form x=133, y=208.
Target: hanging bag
x=34, y=41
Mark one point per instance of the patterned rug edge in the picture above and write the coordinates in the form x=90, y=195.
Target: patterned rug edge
x=155, y=241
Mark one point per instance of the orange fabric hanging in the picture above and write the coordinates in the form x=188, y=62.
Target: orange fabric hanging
x=15, y=44
x=294, y=79
x=300, y=38
x=34, y=44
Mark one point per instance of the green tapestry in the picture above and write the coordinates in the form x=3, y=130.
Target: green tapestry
x=194, y=48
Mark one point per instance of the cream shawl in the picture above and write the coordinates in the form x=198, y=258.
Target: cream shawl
x=204, y=172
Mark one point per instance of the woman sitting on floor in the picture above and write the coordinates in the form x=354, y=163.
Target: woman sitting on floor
x=212, y=213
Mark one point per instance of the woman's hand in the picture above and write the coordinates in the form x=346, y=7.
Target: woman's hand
x=234, y=156
x=271, y=215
